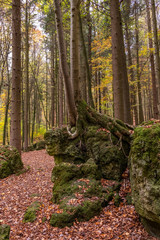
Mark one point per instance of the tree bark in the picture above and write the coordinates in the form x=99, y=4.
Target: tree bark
x=65, y=70
x=156, y=45
x=116, y=61
x=26, y=97
x=154, y=89
x=90, y=97
x=74, y=50
x=141, y=117
x=15, y=136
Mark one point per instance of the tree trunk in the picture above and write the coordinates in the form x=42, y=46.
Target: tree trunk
x=7, y=108
x=141, y=117
x=90, y=97
x=156, y=45
x=130, y=64
x=60, y=82
x=116, y=61
x=26, y=97
x=52, y=81
x=74, y=50
x=65, y=70
x=154, y=89
x=15, y=136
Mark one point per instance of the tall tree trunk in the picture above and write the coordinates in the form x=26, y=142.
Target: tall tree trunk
x=60, y=98
x=7, y=107
x=141, y=117
x=74, y=50
x=53, y=40
x=26, y=98
x=156, y=45
x=15, y=136
x=154, y=89
x=90, y=97
x=116, y=60
x=46, y=91
x=130, y=63
x=89, y=69
x=99, y=91
x=65, y=70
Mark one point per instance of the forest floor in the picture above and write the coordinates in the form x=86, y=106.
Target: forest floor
x=18, y=192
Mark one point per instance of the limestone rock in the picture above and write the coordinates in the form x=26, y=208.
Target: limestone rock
x=145, y=176
x=10, y=161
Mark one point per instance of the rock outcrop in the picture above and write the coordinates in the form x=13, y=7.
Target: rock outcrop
x=145, y=175
x=80, y=163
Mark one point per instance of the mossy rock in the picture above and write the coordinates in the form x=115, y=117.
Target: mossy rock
x=40, y=145
x=63, y=148
x=10, y=161
x=82, y=212
x=4, y=232
x=30, y=214
x=65, y=172
x=145, y=175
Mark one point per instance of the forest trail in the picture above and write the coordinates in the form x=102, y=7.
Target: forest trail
x=18, y=192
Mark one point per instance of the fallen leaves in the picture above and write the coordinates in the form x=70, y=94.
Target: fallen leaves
x=18, y=192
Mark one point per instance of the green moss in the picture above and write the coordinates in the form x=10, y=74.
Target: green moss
x=82, y=212
x=62, y=219
x=4, y=232
x=30, y=214
x=10, y=161
x=117, y=200
x=129, y=199
x=64, y=173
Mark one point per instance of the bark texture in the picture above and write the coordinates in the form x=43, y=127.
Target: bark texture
x=120, y=78
x=15, y=136
x=65, y=70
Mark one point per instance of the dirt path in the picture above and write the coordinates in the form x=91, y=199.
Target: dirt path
x=18, y=192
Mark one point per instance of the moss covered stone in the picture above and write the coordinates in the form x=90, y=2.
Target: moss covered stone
x=4, y=232
x=30, y=214
x=10, y=161
x=98, y=149
x=145, y=175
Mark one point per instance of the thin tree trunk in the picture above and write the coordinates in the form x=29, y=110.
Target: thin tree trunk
x=141, y=117
x=130, y=64
x=99, y=91
x=7, y=109
x=15, y=136
x=60, y=98
x=156, y=45
x=90, y=97
x=154, y=89
x=26, y=99
x=52, y=81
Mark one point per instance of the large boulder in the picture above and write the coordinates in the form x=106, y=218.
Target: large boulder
x=145, y=175
x=107, y=151
x=10, y=161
